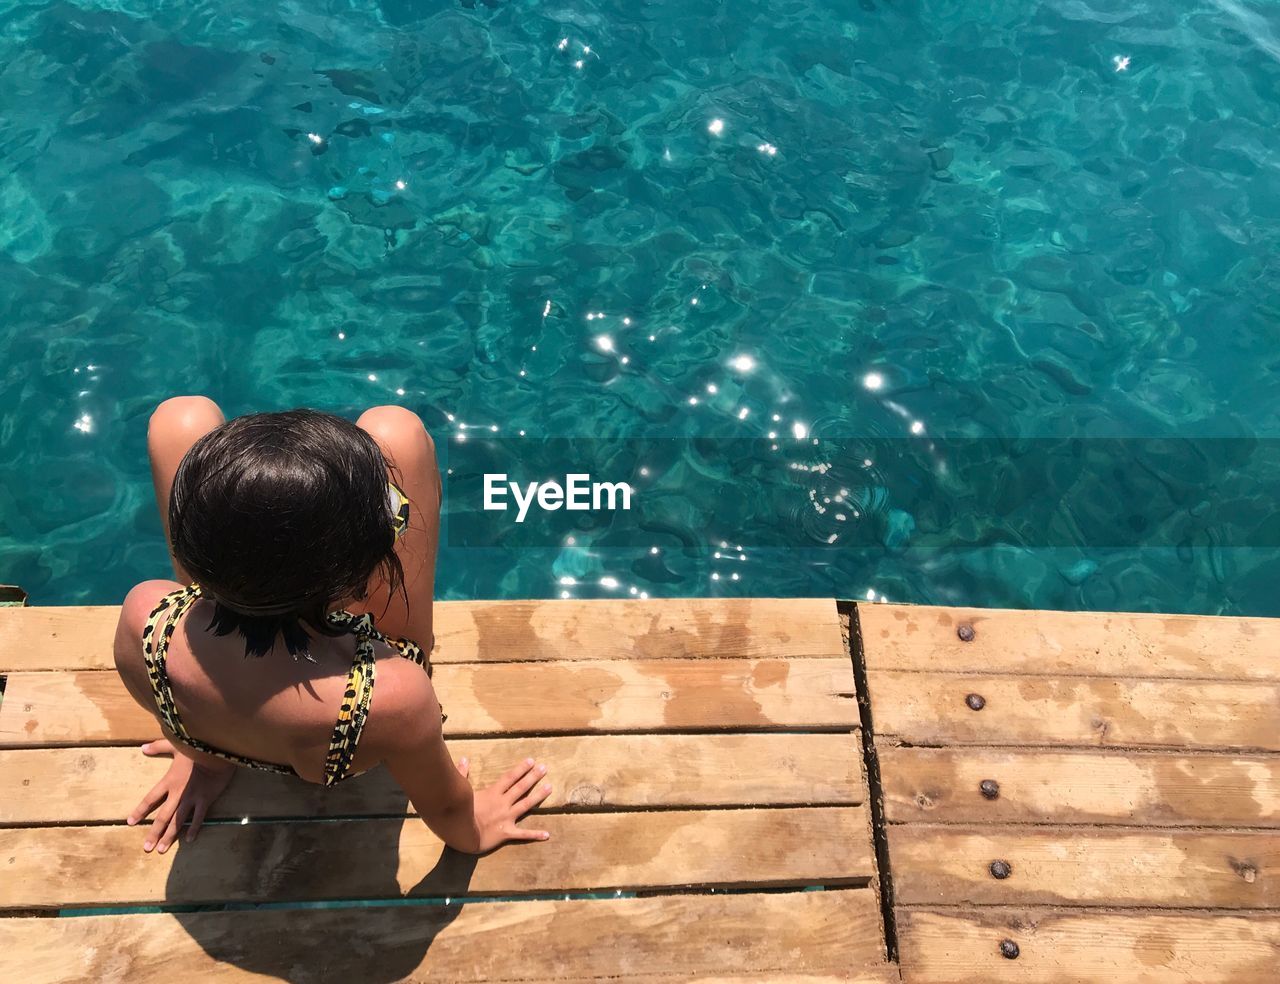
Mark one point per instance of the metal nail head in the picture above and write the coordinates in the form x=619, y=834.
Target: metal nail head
x=965, y=632
x=989, y=788
x=976, y=702
x=1009, y=949
x=1001, y=870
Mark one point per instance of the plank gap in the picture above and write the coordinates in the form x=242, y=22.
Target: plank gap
x=1075, y=908
x=1067, y=675
x=788, y=729
x=816, y=656
x=1085, y=827
x=1253, y=751
x=1083, y=751
x=852, y=634
x=557, y=811
x=601, y=895
x=604, y=893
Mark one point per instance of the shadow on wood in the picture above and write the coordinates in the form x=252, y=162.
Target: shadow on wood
x=287, y=868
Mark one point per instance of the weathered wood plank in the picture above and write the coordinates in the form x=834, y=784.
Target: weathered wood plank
x=931, y=709
x=963, y=947
x=92, y=706
x=911, y=637
x=371, y=859
x=504, y=631
x=1084, y=866
x=86, y=785
x=826, y=935
x=57, y=637
x=882, y=974
x=1210, y=790
x=723, y=628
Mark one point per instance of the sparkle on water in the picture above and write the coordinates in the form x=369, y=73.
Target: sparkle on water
x=1059, y=218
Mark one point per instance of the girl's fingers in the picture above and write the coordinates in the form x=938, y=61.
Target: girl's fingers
x=532, y=799
x=464, y=766
x=159, y=826
x=197, y=818
x=161, y=746
x=526, y=782
x=520, y=834
x=514, y=774
x=149, y=803
x=171, y=831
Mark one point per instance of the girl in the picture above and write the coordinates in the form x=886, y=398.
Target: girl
x=288, y=532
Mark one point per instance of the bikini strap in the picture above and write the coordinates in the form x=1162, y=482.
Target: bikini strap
x=407, y=648
x=355, y=699
x=410, y=650
x=363, y=627
x=156, y=635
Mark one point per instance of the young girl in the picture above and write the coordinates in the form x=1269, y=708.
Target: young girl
x=289, y=533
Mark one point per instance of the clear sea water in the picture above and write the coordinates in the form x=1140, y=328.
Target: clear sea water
x=906, y=219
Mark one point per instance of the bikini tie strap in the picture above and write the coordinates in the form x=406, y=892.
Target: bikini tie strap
x=356, y=698
x=155, y=648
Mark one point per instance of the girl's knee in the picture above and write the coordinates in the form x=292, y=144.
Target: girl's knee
x=397, y=427
x=183, y=416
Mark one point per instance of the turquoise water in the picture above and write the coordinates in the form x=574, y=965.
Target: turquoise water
x=907, y=219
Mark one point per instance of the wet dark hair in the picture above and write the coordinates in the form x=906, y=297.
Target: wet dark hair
x=279, y=516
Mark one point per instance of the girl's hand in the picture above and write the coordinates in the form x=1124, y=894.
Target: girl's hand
x=499, y=807
x=186, y=792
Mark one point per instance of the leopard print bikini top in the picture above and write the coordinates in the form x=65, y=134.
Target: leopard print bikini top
x=355, y=699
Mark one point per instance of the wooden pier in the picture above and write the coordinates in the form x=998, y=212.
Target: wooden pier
x=746, y=790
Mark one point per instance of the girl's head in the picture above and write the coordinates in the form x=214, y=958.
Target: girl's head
x=279, y=517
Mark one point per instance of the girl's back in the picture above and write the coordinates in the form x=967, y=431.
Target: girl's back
x=274, y=709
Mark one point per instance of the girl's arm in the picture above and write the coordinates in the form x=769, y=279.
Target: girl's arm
x=474, y=821
x=194, y=780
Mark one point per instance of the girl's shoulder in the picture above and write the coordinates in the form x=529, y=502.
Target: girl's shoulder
x=140, y=602
x=404, y=704
x=136, y=608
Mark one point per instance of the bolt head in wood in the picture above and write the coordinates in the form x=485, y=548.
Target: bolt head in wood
x=965, y=632
x=1001, y=870
x=989, y=788
x=976, y=702
x=1009, y=949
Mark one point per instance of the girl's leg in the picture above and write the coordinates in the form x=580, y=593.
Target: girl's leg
x=411, y=453
x=176, y=424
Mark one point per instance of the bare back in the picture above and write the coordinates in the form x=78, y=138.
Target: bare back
x=272, y=708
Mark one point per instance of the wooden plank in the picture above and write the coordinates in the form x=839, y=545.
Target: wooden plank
x=962, y=947
x=931, y=709
x=942, y=785
x=86, y=785
x=670, y=628
x=92, y=706
x=370, y=859
x=881, y=974
x=74, y=638
x=1084, y=866
x=816, y=936
x=912, y=637
x=57, y=637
